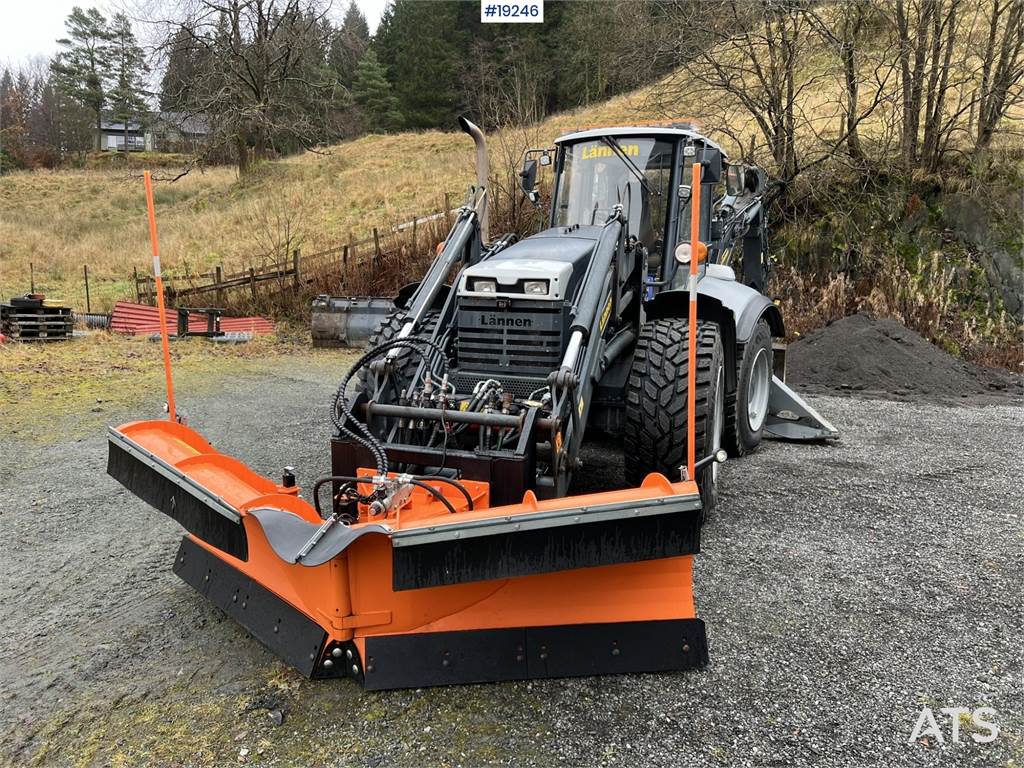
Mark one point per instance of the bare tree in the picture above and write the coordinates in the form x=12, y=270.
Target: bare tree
x=756, y=59
x=258, y=80
x=945, y=78
x=748, y=53
x=944, y=36
x=842, y=32
x=913, y=26
x=508, y=92
x=1002, y=75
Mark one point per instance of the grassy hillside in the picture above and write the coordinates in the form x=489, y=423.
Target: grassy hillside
x=61, y=220
x=58, y=221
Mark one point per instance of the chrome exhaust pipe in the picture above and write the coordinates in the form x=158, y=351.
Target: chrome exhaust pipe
x=483, y=170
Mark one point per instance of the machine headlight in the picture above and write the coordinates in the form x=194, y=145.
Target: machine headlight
x=536, y=287
x=684, y=252
x=483, y=286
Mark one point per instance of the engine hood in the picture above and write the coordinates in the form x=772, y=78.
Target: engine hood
x=559, y=254
x=567, y=244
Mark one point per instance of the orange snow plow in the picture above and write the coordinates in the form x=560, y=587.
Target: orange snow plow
x=442, y=588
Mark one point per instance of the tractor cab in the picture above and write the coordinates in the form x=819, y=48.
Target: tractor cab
x=644, y=170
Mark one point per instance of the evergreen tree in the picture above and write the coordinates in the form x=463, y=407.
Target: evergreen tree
x=127, y=94
x=349, y=44
x=423, y=51
x=186, y=66
x=11, y=126
x=313, y=89
x=44, y=122
x=82, y=64
x=383, y=42
x=377, y=104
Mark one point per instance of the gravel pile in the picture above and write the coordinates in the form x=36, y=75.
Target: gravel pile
x=880, y=357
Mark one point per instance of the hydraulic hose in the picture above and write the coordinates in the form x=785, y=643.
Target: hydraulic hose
x=454, y=483
x=419, y=481
x=333, y=479
x=435, y=493
x=341, y=410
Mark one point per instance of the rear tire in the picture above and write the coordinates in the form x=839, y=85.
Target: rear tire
x=747, y=408
x=408, y=360
x=655, y=434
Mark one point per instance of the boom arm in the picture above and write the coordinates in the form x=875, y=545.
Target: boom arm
x=572, y=384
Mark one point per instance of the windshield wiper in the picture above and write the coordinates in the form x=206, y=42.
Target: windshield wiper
x=617, y=149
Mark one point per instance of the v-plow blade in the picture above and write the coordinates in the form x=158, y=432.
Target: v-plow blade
x=441, y=588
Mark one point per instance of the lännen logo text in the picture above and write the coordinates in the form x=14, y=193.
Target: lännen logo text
x=506, y=322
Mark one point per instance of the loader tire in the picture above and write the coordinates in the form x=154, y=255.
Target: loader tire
x=388, y=330
x=747, y=407
x=655, y=434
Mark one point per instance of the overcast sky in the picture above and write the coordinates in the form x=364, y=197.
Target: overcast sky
x=31, y=27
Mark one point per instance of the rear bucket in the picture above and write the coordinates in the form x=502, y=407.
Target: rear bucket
x=583, y=585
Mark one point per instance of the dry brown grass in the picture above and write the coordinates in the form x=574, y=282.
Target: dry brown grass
x=61, y=220
x=48, y=391
x=921, y=300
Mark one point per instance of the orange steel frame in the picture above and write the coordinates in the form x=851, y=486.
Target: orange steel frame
x=164, y=339
x=691, y=368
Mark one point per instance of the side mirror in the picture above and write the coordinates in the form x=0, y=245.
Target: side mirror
x=528, y=177
x=711, y=166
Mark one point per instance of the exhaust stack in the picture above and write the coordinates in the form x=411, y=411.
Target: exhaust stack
x=483, y=170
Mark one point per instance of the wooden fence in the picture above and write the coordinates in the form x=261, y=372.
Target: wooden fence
x=217, y=284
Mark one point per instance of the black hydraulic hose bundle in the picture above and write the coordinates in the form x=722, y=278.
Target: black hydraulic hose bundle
x=419, y=481
x=335, y=479
x=341, y=415
x=341, y=409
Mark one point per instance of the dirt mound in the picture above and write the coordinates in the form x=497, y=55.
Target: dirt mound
x=862, y=354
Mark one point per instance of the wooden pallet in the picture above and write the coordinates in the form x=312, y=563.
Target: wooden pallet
x=36, y=323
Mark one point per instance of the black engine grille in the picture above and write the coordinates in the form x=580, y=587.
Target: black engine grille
x=520, y=386
x=523, y=338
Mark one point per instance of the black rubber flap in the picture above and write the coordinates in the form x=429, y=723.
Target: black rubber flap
x=175, y=501
x=284, y=629
x=491, y=655
x=546, y=550
x=287, y=534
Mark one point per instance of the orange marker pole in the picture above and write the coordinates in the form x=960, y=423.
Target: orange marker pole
x=164, y=338
x=691, y=372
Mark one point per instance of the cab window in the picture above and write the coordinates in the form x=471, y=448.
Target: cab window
x=595, y=178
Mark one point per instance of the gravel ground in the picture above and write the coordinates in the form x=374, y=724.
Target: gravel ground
x=844, y=588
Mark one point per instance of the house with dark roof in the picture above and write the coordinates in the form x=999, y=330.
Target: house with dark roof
x=114, y=136
x=181, y=131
